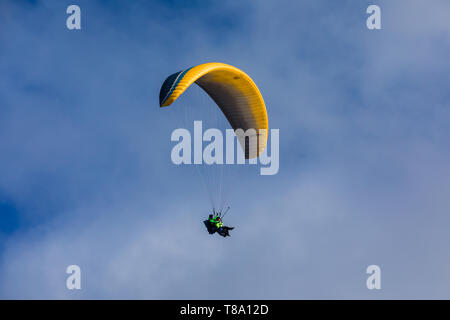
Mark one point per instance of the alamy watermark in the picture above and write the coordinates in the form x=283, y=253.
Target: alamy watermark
x=374, y=280
x=73, y=281
x=216, y=149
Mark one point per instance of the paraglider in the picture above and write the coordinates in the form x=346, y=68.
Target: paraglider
x=233, y=91
x=240, y=101
x=214, y=224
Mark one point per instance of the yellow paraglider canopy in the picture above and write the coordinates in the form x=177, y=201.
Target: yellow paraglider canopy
x=232, y=90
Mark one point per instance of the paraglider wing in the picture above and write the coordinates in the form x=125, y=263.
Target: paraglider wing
x=233, y=91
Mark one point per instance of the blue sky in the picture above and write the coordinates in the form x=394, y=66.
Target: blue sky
x=86, y=176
